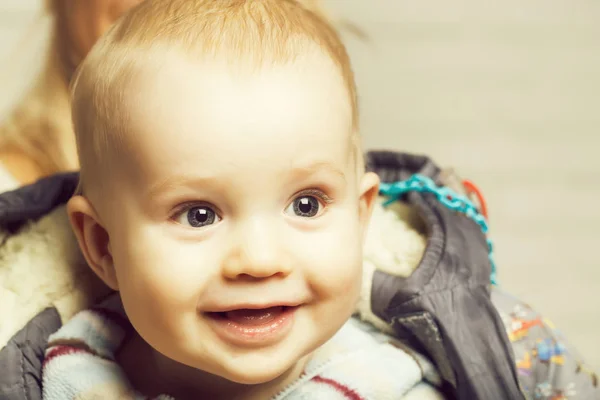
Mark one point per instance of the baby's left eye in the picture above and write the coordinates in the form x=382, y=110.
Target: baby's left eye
x=305, y=206
x=197, y=216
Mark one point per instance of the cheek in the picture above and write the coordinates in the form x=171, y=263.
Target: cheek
x=333, y=259
x=82, y=25
x=120, y=7
x=91, y=19
x=157, y=269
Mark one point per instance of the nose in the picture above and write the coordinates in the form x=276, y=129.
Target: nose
x=256, y=252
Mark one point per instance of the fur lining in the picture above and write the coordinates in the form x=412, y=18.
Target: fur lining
x=42, y=266
x=395, y=241
x=394, y=244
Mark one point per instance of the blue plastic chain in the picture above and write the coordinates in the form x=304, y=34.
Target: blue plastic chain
x=446, y=196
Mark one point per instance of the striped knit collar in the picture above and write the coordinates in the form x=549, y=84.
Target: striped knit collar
x=80, y=358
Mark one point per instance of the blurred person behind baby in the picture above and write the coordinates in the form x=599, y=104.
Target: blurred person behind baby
x=36, y=138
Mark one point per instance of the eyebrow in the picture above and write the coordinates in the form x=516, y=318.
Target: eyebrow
x=315, y=168
x=172, y=182
x=298, y=172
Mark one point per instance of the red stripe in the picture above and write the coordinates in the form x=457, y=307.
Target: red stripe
x=60, y=350
x=343, y=389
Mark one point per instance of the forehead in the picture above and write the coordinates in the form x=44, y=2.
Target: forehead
x=207, y=114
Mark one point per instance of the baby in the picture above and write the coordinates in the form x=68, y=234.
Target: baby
x=223, y=196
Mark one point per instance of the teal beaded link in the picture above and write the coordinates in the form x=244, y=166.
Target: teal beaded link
x=446, y=196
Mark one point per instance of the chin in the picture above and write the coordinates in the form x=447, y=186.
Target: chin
x=257, y=372
x=254, y=375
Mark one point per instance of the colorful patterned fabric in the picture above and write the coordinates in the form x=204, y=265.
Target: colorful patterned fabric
x=548, y=367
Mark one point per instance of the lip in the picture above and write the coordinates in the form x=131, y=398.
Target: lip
x=253, y=306
x=252, y=335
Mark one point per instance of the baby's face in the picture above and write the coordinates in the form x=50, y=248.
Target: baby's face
x=236, y=226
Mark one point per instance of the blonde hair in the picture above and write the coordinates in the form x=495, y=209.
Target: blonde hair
x=259, y=30
x=39, y=127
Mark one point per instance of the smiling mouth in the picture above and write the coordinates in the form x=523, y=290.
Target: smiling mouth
x=251, y=317
x=253, y=327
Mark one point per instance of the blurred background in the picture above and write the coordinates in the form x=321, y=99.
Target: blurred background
x=506, y=92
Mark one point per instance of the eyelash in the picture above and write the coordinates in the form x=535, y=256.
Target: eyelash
x=316, y=193
x=185, y=207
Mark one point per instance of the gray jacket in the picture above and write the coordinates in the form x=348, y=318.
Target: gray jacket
x=446, y=309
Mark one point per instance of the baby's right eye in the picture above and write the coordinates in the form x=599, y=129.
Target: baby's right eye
x=197, y=216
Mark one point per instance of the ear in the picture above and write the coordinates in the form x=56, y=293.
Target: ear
x=93, y=239
x=368, y=189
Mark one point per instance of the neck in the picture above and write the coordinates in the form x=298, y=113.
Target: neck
x=161, y=375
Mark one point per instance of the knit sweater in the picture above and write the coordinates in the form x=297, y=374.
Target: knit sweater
x=358, y=363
